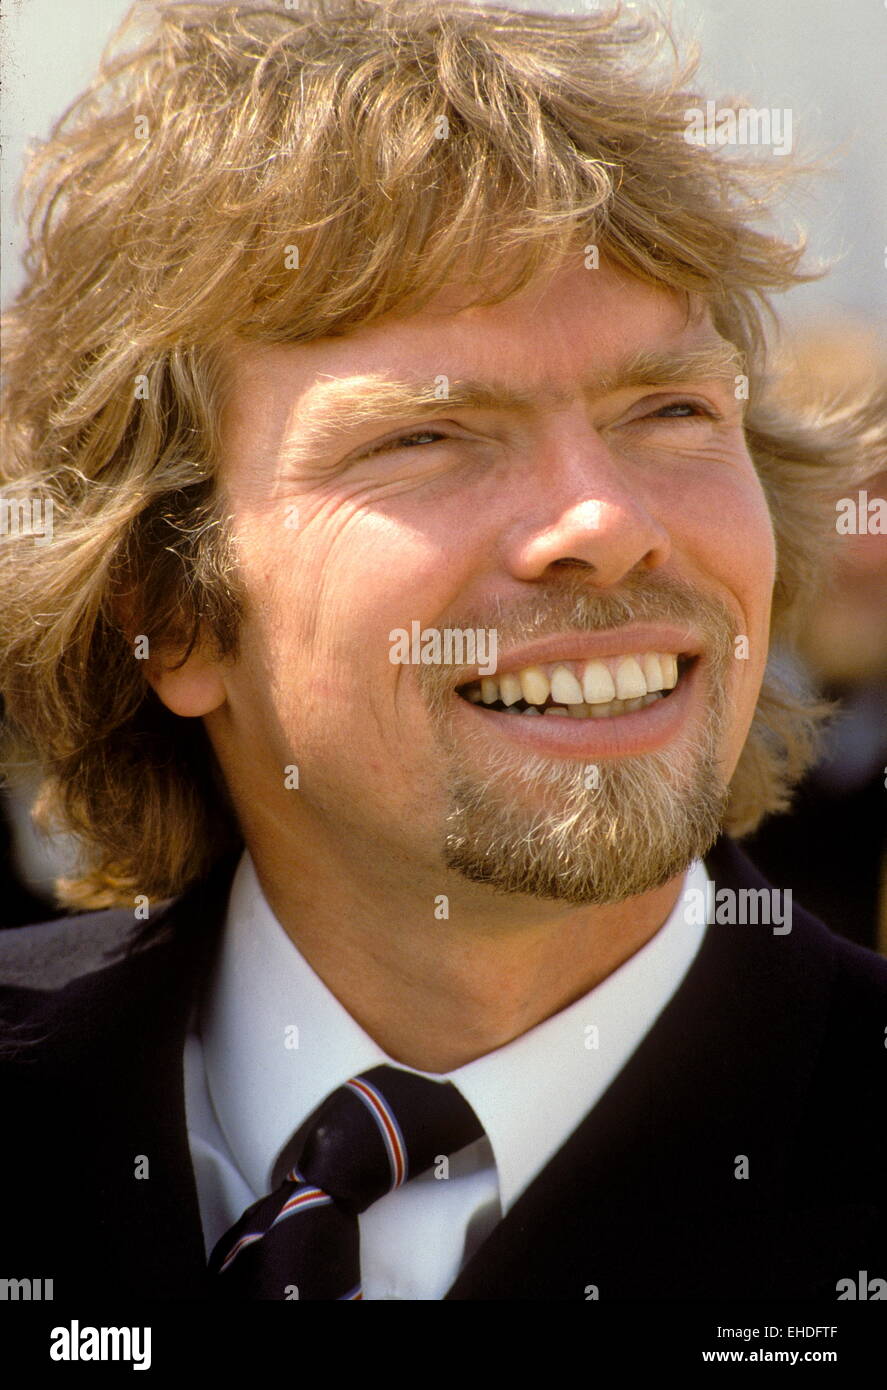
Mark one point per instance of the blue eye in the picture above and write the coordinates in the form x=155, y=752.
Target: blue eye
x=409, y=441
x=683, y=410
x=405, y=441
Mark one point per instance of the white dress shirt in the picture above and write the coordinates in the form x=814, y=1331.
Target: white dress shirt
x=270, y=1042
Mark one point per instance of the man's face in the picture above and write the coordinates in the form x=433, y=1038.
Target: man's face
x=586, y=507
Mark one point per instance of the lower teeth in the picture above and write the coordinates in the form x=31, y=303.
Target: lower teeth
x=607, y=711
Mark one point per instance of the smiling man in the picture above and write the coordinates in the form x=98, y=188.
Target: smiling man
x=367, y=319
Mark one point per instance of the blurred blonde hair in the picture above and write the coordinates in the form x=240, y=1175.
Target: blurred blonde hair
x=397, y=146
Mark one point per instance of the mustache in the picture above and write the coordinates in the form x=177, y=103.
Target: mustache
x=570, y=606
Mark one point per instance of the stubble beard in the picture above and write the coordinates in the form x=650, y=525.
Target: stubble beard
x=540, y=826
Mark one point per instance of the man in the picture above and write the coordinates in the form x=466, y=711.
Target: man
x=401, y=659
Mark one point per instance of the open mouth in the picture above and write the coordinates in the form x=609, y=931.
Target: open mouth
x=600, y=689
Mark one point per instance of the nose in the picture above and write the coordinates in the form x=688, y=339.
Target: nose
x=580, y=504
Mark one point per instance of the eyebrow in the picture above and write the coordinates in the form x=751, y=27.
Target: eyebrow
x=340, y=407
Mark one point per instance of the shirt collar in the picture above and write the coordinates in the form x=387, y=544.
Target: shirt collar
x=277, y=1042
x=531, y=1094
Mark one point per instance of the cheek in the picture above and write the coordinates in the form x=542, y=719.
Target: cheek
x=746, y=567
x=750, y=544
x=325, y=598
x=723, y=516
x=725, y=532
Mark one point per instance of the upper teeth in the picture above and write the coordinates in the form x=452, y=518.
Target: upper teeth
x=580, y=682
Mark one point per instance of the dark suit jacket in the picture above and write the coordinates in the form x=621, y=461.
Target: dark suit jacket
x=773, y=1048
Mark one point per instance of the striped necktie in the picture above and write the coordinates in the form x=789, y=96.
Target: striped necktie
x=367, y=1138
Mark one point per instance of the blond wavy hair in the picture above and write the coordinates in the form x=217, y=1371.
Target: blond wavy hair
x=163, y=213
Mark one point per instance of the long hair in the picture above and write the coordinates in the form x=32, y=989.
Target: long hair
x=274, y=174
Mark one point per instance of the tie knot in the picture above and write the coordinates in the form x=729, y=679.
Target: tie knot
x=380, y=1129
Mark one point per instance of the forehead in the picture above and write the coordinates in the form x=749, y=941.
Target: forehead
x=548, y=339
x=578, y=313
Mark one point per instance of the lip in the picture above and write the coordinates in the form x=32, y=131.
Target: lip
x=643, y=731
x=585, y=646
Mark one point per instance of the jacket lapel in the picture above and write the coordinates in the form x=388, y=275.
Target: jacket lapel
x=102, y=1105
x=643, y=1200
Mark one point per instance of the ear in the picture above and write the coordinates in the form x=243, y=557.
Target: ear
x=193, y=689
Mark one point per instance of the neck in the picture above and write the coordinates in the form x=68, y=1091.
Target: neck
x=437, y=992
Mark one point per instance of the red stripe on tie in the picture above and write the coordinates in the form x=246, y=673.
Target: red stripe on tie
x=301, y=1199
x=244, y=1240
x=388, y=1126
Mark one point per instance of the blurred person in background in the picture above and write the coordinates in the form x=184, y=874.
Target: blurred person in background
x=839, y=810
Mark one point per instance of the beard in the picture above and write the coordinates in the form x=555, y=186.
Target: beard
x=578, y=833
